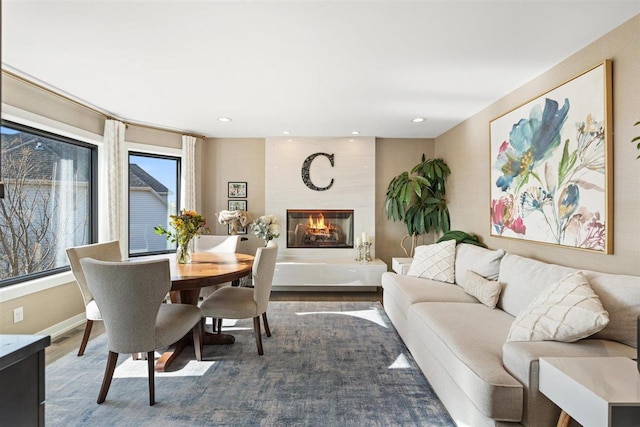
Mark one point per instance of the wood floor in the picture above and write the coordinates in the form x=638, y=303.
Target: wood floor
x=70, y=341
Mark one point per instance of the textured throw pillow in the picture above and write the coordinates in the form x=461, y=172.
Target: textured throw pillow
x=486, y=291
x=435, y=262
x=488, y=265
x=565, y=311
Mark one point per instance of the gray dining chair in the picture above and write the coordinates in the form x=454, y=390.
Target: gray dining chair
x=216, y=244
x=109, y=251
x=130, y=296
x=244, y=303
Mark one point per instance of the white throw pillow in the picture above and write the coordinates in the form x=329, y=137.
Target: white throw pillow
x=486, y=291
x=435, y=262
x=565, y=311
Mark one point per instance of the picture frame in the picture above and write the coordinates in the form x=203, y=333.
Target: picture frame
x=551, y=167
x=237, y=189
x=237, y=205
x=241, y=230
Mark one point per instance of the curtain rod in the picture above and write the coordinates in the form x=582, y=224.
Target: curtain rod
x=92, y=109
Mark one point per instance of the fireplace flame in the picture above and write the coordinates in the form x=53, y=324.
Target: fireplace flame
x=318, y=224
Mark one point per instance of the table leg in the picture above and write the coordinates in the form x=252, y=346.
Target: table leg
x=564, y=420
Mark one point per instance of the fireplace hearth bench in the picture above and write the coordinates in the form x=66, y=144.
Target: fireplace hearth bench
x=461, y=345
x=301, y=274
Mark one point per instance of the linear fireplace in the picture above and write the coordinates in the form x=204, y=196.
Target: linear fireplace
x=319, y=228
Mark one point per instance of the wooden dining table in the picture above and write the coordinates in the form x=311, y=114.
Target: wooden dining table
x=206, y=269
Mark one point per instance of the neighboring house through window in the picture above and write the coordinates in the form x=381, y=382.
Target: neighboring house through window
x=49, y=202
x=153, y=197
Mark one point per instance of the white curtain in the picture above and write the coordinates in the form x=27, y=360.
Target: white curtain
x=188, y=187
x=114, y=150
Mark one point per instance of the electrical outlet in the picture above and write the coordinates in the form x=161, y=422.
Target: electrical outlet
x=18, y=314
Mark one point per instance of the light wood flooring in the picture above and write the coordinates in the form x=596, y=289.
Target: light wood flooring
x=70, y=341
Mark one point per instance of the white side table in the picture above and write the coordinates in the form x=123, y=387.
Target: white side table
x=401, y=265
x=594, y=391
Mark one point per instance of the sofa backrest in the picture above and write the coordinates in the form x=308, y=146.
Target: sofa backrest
x=620, y=296
x=523, y=278
x=485, y=262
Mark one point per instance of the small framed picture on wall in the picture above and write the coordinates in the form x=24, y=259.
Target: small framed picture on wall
x=237, y=205
x=240, y=230
x=238, y=190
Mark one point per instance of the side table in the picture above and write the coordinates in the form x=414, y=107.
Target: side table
x=401, y=265
x=594, y=391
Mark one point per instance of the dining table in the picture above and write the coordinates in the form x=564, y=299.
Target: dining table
x=205, y=269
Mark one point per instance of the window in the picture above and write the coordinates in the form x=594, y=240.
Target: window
x=49, y=202
x=154, y=192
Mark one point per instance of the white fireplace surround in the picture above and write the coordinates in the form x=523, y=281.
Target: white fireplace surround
x=353, y=174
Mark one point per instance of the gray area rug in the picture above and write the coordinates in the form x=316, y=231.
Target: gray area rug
x=326, y=364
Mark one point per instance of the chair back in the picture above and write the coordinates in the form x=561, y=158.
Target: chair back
x=129, y=295
x=208, y=243
x=109, y=251
x=262, y=271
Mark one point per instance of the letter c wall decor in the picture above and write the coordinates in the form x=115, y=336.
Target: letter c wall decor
x=306, y=165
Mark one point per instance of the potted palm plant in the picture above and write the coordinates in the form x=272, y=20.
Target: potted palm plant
x=418, y=199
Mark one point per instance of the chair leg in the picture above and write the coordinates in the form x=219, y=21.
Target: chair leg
x=85, y=337
x=256, y=330
x=152, y=384
x=266, y=324
x=219, y=325
x=198, y=333
x=108, y=375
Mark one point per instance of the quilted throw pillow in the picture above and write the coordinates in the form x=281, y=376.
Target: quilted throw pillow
x=486, y=291
x=435, y=262
x=566, y=311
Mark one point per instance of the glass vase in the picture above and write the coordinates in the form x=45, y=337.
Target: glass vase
x=183, y=253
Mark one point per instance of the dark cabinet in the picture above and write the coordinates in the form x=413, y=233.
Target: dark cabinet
x=22, y=389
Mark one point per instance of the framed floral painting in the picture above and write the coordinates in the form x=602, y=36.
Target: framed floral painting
x=551, y=166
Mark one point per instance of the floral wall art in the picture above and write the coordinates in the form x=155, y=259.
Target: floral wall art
x=551, y=166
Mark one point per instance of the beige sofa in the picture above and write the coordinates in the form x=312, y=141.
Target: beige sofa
x=461, y=345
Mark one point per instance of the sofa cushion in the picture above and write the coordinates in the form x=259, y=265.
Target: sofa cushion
x=408, y=290
x=485, y=290
x=485, y=262
x=434, y=262
x=522, y=279
x=467, y=340
x=620, y=296
x=567, y=311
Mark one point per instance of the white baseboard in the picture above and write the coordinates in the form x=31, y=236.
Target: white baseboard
x=63, y=327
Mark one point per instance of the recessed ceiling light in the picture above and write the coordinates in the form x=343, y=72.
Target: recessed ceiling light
x=418, y=120
x=224, y=119
x=286, y=132
x=355, y=132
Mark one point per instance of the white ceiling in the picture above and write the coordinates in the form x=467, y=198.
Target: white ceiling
x=314, y=68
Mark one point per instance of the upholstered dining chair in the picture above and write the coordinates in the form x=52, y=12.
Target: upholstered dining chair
x=109, y=251
x=244, y=303
x=216, y=244
x=130, y=296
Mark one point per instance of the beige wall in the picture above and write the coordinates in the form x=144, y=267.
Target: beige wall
x=233, y=159
x=465, y=148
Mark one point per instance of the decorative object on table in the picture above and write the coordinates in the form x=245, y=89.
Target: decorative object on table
x=461, y=237
x=551, y=168
x=363, y=248
x=237, y=190
x=237, y=220
x=266, y=227
x=185, y=226
x=418, y=199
